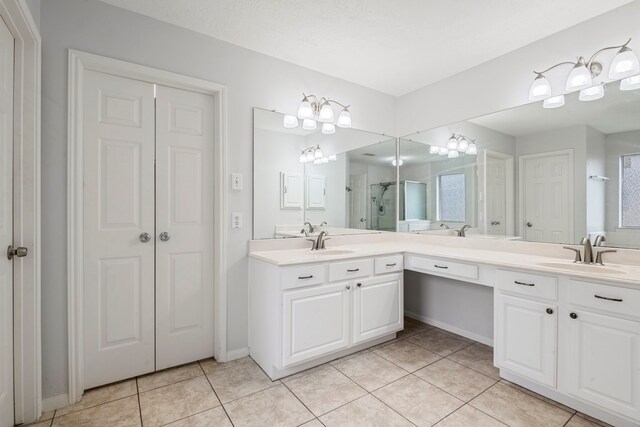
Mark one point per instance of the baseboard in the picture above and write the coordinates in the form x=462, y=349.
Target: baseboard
x=237, y=354
x=450, y=328
x=55, y=402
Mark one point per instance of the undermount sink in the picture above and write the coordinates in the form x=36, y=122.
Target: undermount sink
x=578, y=267
x=333, y=252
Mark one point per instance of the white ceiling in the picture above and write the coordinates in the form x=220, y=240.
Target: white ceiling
x=394, y=46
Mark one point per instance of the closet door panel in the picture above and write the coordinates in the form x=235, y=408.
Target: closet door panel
x=184, y=210
x=118, y=143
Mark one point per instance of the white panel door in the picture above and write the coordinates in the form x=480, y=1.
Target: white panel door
x=526, y=338
x=358, y=201
x=292, y=190
x=548, y=203
x=496, y=197
x=184, y=210
x=316, y=191
x=377, y=307
x=118, y=277
x=602, y=357
x=316, y=321
x=6, y=225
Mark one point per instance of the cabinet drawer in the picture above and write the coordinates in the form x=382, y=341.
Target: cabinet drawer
x=388, y=264
x=613, y=299
x=304, y=275
x=445, y=268
x=527, y=284
x=350, y=269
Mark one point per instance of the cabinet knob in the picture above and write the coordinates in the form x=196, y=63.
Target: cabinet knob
x=359, y=285
x=549, y=311
x=573, y=315
x=348, y=287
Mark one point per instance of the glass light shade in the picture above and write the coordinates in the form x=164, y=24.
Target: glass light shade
x=625, y=64
x=318, y=153
x=463, y=144
x=332, y=158
x=400, y=162
x=539, y=89
x=453, y=154
x=630, y=83
x=305, y=111
x=310, y=156
x=303, y=158
x=553, y=102
x=452, y=144
x=473, y=149
x=434, y=149
x=290, y=121
x=308, y=124
x=579, y=77
x=344, y=119
x=328, y=128
x=591, y=93
x=326, y=113
x=324, y=160
x=317, y=161
x=443, y=151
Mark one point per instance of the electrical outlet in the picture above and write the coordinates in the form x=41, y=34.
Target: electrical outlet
x=236, y=181
x=236, y=220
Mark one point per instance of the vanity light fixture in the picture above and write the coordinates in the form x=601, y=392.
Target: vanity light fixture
x=308, y=124
x=457, y=144
x=630, y=83
x=473, y=149
x=442, y=151
x=316, y=156
x=328, y=128
x=289, y=121
x=434, y=149
x=624, y=65
x=313, y=109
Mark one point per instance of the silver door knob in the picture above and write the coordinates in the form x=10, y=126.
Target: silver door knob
x=362, y=220
x=145, y=237
x=164, y=236
x=16, y=252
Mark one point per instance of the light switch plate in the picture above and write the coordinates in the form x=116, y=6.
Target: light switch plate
x=236, y=220
x=236, y=181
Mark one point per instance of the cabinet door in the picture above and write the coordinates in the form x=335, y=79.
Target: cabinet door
x=377, y=307
x=526, y=338
x=316, y=321
x=291, y=190
x=602, y=360
x=316, y=191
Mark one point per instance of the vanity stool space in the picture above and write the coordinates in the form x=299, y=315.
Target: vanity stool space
x=304, y=315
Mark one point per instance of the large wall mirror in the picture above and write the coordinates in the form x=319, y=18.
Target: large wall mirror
x=306, y=181
x=541, y=175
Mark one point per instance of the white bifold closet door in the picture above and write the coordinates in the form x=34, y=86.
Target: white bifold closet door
x=148, y=303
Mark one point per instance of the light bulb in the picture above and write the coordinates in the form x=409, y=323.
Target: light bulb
x=452, y=144
x=625, y=64
x=434, y=149
x=453, y=154
x=399, y=162
x=305, y=110
x=328, y=128
x=553, y=102
x=326, y=113
x=591, y=93
x=318, y=152
x=332, y=158
x=310, y=156
x=303, y=158
x=344, y=119
x=473, y=149
x=308, y=124
x=290, y=121
x=579, y=77
x=540, y=88
x=443, y=151
x=630, y=83
x=463, y=144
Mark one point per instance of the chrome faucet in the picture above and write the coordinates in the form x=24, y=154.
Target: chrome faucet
x=319, y=243
x=462, y=231
x=311, y=228
x=443, y=225
x=588, y=252
x=599, y=239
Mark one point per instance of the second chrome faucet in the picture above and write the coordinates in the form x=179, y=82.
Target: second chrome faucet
x=587, y=252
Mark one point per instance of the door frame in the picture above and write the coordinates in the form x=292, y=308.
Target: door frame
x=27, y=366
x=521, y=187
x=79, y=62
x=509, y=188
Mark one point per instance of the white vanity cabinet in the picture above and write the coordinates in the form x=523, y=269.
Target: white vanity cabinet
x=305, y=315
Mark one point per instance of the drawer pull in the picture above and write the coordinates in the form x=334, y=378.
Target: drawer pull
x=609, y=299
x=523, y=283
x=444, y=267
x=305, y=277
x=352, y=270
x=392, y=264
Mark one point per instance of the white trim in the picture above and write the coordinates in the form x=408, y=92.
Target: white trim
x=237, y=354
x=26, y=217
x=450, y=328
x=78, y=63
x=55, y=402
x=521, y=185
x=509, y=191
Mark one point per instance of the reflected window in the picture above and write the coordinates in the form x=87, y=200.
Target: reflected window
x=630, y=191
x=451, y=197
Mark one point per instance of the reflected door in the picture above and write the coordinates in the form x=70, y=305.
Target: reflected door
x=548, y=202
x=358, y=201
x=496, y=196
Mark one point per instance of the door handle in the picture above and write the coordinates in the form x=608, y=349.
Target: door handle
x=164, y=236
x=18, y=252
x=145, y=237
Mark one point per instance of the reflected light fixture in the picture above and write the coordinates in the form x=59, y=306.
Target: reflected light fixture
x=316, y=156
x=290, y=121
x=434, y=149
x=630, y=83
x=308, y=124
x=313, y=109
x=473, y=149
x=624, y=65
x=460, y=144
x=443, y=151
x=399, y=162
x=453, y=154
x=328, y=128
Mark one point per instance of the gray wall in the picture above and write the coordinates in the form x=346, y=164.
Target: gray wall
x=34, y=8
x=252, y=80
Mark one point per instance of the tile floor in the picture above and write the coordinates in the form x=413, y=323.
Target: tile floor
x=425, y=377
